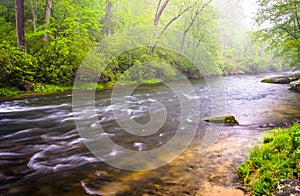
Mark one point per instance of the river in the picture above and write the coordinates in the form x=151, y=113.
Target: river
x=42, y=153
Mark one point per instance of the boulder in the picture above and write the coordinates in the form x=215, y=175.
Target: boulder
x=226, y=120
x=287, y=187
x=281, y=79
x=296, y=72
x=295, y=85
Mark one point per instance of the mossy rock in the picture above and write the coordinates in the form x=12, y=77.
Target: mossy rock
x=281, y=79
x=226, y=120
x=277, y=80
x=153, y=81
x=295, y=85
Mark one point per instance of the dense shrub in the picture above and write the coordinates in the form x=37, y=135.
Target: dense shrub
x=60, y=58
x=17, y=69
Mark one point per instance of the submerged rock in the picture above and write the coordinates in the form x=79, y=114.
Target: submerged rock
x=287, y=187
x=281, y=79
x=295, y=85
x=227, y=120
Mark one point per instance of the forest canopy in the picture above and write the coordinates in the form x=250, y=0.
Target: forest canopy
x=43, y=42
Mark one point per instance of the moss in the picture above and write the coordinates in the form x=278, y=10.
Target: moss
x=268, y=80
x=227, y=120
x=281, y=79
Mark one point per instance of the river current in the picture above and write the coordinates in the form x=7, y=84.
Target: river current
x=42, y=153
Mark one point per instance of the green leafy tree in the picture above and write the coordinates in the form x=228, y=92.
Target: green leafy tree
x=280, y=20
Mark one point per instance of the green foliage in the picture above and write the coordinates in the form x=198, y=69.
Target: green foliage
x=10, y=92
x=45, y=88
x=17, y=69
x=77, y=26
x=140, y=66
x=278, y=158
x=283, y=30
x=268, y=139
x=60, y=58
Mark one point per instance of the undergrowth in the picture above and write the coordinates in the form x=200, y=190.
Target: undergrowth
x=278, y=158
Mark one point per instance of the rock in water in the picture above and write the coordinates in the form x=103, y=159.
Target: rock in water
x=295, y=85
x=227, y=120
x=277, y=80
x=288, y=187
x=281, y=79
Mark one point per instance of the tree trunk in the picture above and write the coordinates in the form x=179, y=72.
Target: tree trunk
x=108, y=20
x=20, y=25
x=159, y=11
x=188, y=28
x=224, y=44
x=34, y=16
x=47, y=17
x=197, y=12
x=169, y=23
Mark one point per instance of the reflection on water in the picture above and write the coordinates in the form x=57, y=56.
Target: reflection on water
x=42, y=153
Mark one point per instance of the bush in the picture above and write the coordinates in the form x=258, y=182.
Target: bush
x=17, y=69
x=278, y=158
x=60, y=58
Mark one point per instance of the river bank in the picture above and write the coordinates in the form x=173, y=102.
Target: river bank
x=44, y=89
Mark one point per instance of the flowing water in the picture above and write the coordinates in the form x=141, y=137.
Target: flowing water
x=42, y=153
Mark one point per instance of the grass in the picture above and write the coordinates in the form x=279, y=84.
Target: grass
x=90, y=86
x=10, y=92
x=132, y=82
x=278, y=158
x=39, y=88
x=36, y=89
x=46, y=88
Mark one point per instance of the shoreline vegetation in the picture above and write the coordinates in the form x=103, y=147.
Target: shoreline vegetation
x=42, y=89
x=278, y=158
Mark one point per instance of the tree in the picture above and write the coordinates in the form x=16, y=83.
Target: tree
x=183, y=8
x=34, y=15
x=47, y=16
x=20, y=25
x=190, y=23
x=108, y=19
x=281, y=22
x=159, y=11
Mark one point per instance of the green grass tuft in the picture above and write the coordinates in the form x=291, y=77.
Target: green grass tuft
x=40, y=88
x=10, y=92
